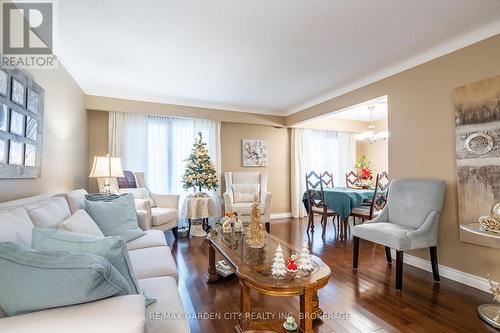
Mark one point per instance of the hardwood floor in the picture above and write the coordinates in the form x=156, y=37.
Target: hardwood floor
x=362, y=301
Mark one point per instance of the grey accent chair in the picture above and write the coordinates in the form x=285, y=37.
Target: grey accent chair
x=409, y=221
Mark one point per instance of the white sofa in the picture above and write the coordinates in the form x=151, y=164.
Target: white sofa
x=241, y=187
x=153, y=265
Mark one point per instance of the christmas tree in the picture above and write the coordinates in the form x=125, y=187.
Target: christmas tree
x=304, y=263
x=278, y=268
x=255, y=234
x=200, y=172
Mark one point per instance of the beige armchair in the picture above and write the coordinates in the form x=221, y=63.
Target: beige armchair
x=241, y=188
x=154, y=211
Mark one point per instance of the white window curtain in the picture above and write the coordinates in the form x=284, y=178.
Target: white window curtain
x=128, y=139
x=158, y=146
x=318, y=150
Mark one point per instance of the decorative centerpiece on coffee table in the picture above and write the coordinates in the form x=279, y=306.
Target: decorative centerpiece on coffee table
x=255, y=236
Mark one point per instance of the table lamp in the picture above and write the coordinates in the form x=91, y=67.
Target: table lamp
x=106, y=167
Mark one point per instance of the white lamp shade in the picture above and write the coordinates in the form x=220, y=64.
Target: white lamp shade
x=106, y=167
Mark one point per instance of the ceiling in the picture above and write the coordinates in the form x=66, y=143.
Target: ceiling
x=263, y=56
x=361, y=112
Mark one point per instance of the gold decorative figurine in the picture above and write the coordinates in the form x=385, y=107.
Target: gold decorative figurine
x=255, y=236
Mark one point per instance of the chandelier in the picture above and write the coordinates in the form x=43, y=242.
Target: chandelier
x=371, y=135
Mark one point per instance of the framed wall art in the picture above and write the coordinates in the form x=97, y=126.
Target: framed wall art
x=477, y=133
x=254, y=153
x=21, y=125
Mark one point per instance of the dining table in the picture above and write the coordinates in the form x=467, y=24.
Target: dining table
x=342, y=200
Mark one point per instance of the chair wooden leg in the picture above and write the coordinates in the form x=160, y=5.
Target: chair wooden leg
x=399, y=270
x=311, y=222
x=434, y=262
x=388, y=254
x=355, y=252
x=354, y=220
x=324, y=219
x=268, y=227
x=175, y=232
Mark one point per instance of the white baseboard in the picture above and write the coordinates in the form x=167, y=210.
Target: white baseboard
x=280, y=215
x=447, y=272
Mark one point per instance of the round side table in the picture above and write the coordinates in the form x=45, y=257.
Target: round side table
x=198, y=208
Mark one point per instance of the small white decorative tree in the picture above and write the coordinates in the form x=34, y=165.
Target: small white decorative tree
x=278, y=269
x=304, y=263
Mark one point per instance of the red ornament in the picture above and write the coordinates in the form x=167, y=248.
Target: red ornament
x=291, y=265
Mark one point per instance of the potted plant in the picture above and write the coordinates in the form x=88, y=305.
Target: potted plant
x=365, y=174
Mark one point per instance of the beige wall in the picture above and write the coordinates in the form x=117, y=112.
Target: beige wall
x=64, y=161
x=278, y=163
x=422, y=141
x=333, y=124
x=98, y=141
x=377, y=152
x=231, y=135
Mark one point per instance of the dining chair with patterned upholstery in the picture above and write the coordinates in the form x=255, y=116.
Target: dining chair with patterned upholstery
x=316, y=201
x=377, y=203
x=409, y=221
x=351, y=179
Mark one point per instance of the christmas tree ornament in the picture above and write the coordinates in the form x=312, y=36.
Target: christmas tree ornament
x=304, y=262
x=278, y=269
x=238, y=225
x=255, y=234
x=200, y=172
x=290, y=324
x=291, y=265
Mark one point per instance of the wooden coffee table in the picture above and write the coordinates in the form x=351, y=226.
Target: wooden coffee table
x=253, y=267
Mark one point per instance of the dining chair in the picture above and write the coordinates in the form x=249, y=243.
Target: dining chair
x=376, y=204
x=351, y=179
x=409, y=221
x=316, y=201
x=383, y=181
x=327, y=179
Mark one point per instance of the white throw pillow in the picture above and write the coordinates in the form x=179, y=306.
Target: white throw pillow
x=246, y=192
x=15, y=226
x=48, y=213
x=81, y=223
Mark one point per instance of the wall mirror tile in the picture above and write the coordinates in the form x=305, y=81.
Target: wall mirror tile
x=4, y=82
x=21, y=125
x=30, y=155
x=4, y=110
x=16, y=153
x=31, y=128
x=16, y=123
x=32, y=104
x=3, y=151
x=18, y=92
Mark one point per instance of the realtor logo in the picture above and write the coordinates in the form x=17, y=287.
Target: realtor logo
x=27, y=37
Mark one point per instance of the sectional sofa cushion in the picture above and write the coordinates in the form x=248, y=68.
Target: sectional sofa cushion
x=81, y=222
x=153, y=262
x=117, y=217
x=150, y=239
x=164, y=289
x=76, y=199
x=15, y=226
x=48, y=213
x=34, y=280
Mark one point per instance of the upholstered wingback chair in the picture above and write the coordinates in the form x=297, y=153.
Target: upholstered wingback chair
x=241, y=188
x=154, y=211
x=409, y=221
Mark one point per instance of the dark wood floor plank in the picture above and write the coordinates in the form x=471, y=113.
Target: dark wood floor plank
x=368, y=295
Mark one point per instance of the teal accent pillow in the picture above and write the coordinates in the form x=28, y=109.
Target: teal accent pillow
x=117, y=217
x=112, y=248
x=32, y=280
